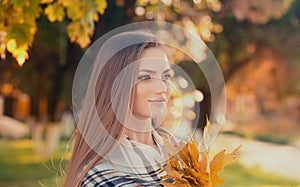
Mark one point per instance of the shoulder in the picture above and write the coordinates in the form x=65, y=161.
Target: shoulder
x=105, y=175
x=98, y=175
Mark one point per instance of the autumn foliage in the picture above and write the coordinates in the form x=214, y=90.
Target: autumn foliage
x=18, y=22
x=189, y=167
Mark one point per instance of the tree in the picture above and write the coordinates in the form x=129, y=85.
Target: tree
x=248, y=28
x=231, y=34
x=18, y=22
x=236, y=31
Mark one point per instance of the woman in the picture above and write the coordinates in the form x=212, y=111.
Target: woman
x=118, y=140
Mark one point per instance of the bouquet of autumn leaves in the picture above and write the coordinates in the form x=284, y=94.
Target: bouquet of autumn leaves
x=191, y=168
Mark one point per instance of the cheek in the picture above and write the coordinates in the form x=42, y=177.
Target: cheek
x=169, y=89
x=141, y=92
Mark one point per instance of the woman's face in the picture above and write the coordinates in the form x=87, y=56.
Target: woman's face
x=152, y=89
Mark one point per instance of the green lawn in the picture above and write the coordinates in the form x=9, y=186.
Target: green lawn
x=21, y=167
x=237, y=175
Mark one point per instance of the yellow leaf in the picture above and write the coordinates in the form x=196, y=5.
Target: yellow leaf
x=201, y=177
x=11, y=45
x=194, y=154
x=74, y=11
x=184, y=153
x=55, y=12
x=101, y=6
x=95, y=17
x=218, y=164
x=83, y=40
x=204, y=161
x=186, y=171
x=66, y=3
x=221, y=160
x=190, y=168
x=46, y=1
x=206, y=134
x=192, y=180
x=79, y=33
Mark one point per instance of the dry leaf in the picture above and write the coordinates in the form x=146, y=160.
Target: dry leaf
x=190, y=168
x=218, y=163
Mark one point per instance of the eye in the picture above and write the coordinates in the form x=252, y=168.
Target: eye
x=144, y=77
x=167, y=77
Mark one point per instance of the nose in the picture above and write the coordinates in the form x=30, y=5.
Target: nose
x=160, y=86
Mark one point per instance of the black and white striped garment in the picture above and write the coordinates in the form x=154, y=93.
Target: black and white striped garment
x=130, y=164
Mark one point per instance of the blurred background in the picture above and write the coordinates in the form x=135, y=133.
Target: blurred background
x=255, y=42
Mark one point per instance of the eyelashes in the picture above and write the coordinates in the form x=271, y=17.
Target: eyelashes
x=148, y=77
x=144, y=77
x=167, y=77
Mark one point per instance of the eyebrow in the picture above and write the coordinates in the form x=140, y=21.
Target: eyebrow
x=151, y=71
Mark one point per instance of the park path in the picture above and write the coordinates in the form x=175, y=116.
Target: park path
x=282, y=160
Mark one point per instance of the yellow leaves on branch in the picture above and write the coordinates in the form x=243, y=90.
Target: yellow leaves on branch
x=82, y=15
x=78, y=33
x=101, y=6
x=46, y=1
x=18, y=52
x=55, y=12
x=258, y=12
x=20, y=25
x=190, y=168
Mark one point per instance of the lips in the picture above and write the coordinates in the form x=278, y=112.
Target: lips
x=157, y=103
x=157, y=100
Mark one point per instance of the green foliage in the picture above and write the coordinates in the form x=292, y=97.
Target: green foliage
x=18, y=22
x=199, y=16
x=55, y=12
x=195, y=16
x=18, y=19
x=21, y=32
x=81, y=14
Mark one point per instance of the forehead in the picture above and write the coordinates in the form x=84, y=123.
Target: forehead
x=154, y=58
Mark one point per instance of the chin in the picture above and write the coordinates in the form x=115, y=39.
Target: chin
x=158, y=114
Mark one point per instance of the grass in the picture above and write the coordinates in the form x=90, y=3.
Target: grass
x=272, y=139
x=236, y=133
x=21, y=167
x=237, y=175
x=266, y=137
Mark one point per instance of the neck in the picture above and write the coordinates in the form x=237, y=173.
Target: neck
x=140, y=130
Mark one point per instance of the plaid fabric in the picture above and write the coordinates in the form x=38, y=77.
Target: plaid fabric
x=116, y=170
x=109, y=178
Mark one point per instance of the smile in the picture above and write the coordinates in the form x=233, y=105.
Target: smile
x=160, y=100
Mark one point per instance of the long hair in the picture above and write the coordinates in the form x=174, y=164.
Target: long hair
x=99, y=128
